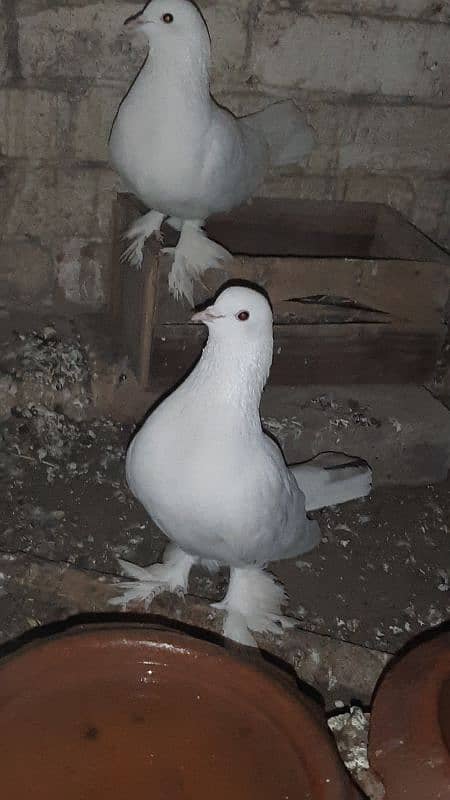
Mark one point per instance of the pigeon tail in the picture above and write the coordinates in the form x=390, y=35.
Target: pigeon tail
x=192, y=256
x=330, y=479
x=148, y=582
x=286, y=131
x=253, y=602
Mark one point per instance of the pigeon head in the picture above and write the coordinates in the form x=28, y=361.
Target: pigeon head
x=239, y=314
x=171, y=23
x=240, y=340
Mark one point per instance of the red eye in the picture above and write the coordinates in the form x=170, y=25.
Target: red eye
x=243, y=315
x=167, y=18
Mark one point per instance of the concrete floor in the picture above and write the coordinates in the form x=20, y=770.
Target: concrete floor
x=379, y=576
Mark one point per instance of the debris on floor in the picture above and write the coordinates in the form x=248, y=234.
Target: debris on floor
x=351, y=732
x=44, y=367
x=379, y=577
x=42, y=591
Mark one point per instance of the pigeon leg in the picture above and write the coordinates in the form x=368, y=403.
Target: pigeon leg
x=170, y=576
x=137, y=233
x=253, y=602
x=192, y=256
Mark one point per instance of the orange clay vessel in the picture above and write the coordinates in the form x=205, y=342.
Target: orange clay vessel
x=115, y=712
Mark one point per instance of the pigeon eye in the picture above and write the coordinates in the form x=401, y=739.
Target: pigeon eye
x=243, y=316
x=167, y=18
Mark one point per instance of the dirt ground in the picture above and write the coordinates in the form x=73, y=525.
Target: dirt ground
x=380, y=575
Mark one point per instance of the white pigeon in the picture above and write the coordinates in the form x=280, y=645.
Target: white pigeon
x=218, y=486
x=183, y=155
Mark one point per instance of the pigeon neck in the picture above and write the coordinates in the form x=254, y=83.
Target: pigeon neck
x=185, y=69
x=236, y=376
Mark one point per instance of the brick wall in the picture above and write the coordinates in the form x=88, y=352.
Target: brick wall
x=372, y=75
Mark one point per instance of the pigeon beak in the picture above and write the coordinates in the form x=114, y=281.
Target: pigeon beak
x=205, y=316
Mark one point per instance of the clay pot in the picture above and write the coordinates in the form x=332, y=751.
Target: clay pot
x=114, y=713
x=409, y=740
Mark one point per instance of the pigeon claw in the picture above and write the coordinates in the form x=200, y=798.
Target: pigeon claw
x=147, y=583
x=180, y=281
x=134, y=255
x=138, y=592
x=194, y=254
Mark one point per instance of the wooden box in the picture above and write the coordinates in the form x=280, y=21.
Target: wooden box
x=359, y=294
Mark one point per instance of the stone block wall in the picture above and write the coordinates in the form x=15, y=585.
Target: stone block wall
x=372, y=75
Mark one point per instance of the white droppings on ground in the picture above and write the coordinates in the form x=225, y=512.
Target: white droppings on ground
x=332, y=680
x=443, y=585
x=351, y=732
x=434, y=616
x=43, y=367
x=47, y=357
x=342, y=526
x=377, y=556
x=356, y=725
x=395, y=629
x=284, y=429
x=395, y=424
x=302, y=564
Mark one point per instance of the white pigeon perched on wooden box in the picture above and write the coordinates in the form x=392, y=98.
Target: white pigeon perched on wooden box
x=218, y=486
x=183, y=155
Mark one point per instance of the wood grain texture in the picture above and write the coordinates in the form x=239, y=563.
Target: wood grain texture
x=358, y=293
x=306, y=354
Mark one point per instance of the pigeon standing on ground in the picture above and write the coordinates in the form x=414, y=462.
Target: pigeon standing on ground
x=183, y=155
x=218, y=486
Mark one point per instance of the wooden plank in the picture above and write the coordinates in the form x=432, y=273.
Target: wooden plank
x=296, y=228
x=148, y=305
x=395, y=236
x=353, y=354
x=328, y=290
x=289, y=226
x=353, y=320
x=134, y=319
x=134, y=294
x=304, y=354
x=175, y=350
x=118, y=223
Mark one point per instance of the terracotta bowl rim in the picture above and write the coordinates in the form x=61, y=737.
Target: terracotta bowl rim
x=415, y=682
x=314, y=741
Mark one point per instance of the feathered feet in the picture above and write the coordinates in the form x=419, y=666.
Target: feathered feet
x=192, y=256
x=148, y=582
x=137, y=233
x=253, y=602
